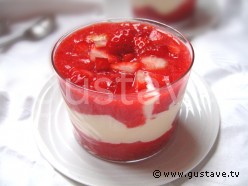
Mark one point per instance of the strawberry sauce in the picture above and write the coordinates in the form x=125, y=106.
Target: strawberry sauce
x=116, y=69
x=111, y=49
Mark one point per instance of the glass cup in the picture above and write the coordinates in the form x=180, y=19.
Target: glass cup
x=123, y=127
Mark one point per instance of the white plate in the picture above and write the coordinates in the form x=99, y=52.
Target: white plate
x=195, y=136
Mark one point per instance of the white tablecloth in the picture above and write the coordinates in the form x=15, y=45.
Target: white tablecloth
x=221, y=59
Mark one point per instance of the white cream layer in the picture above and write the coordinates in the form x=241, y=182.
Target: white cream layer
x=107, y=129
x=161, y=6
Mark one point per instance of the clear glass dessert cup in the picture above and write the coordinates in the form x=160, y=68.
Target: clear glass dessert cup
x=126, y=127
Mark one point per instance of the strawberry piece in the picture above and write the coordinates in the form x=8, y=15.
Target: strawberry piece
x=142, y=30
x=153, y=63
x=97, y=53
x=121, y=42
x=94, y=53
x=141, y=44
x=101, y=64
x=141, y=80
x=98, y=40
x=129, y=67
x=148, y=80
x=128, y=57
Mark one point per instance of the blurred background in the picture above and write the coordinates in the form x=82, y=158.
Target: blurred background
x=218, y=30
x=192, y=17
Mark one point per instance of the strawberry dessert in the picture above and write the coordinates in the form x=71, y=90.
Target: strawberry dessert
x=123, y=83
x=164, y=10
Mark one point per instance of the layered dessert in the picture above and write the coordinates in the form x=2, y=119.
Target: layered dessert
x=164, y=10
x=123, y=83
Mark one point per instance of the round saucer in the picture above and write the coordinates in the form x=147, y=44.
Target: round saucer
x=198, y=127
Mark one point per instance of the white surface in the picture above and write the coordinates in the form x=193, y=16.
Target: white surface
x=197, y=130
x=221, y=59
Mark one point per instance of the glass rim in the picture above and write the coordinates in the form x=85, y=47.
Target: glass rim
x=144, y=20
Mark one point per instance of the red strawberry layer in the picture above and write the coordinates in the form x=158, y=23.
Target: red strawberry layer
x=114, y=64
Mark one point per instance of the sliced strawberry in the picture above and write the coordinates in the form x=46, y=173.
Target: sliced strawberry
x=122, y=42
x=113, y=58
x=142, y=30
x=141, y=80
x=98, y=40
x=101, y=64
x=129, y=67
x=153, y=63
x=94, y=53
x=148, y=80
x=128, y=57
x=141, y=43
x=97, y=53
